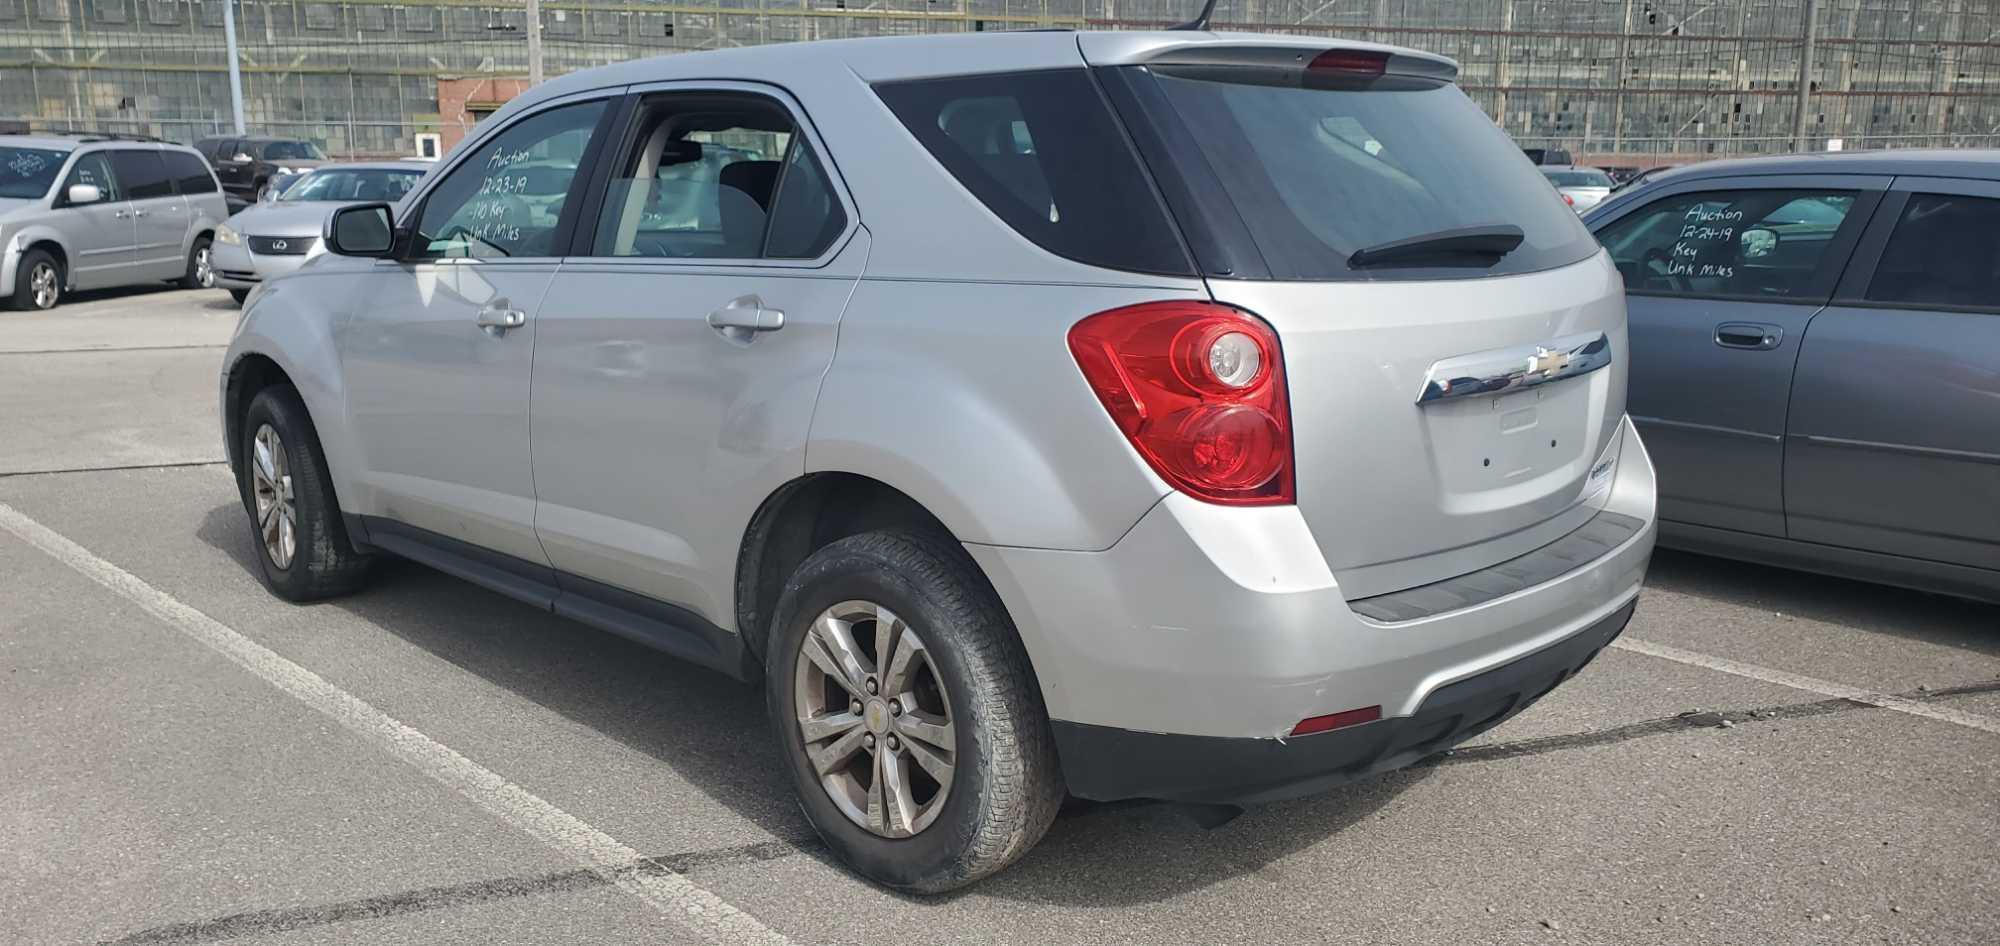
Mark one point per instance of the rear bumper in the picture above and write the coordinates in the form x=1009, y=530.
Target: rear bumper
x=1102, y=762
x=1225, y=623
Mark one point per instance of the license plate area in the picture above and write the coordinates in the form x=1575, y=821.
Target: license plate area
x=1510, y=447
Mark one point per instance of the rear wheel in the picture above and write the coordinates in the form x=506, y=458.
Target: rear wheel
x=38, y=283
x=302, y=544
x=201, y=266
x=908, y=714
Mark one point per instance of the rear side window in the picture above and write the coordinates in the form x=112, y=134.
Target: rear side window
x=1043, y=152
x=189, y=172
x=1945, y=251
x=142, y=174
x=1319, y=172
x=1761, y=244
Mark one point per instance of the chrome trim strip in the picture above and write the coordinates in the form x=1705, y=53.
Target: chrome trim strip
x=1511, y=369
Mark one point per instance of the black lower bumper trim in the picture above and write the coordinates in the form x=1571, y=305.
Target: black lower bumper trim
x=1106, y=763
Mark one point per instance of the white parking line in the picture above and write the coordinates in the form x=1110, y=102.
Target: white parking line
x=1809, y=684
x=680, y=898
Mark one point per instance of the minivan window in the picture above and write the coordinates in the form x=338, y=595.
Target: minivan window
x=95, y=170
x=28, y=172
x=1044, y=153
x=506, y=198
x=1319, y=172
x=190, y=172
x=1945, y=251
x=1763, y=244
x=142, y=173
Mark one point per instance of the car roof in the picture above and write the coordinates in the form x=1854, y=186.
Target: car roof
x=1983, y=163
x=887, y=58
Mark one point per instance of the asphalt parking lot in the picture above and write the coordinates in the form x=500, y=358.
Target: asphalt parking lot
x=1765, y=757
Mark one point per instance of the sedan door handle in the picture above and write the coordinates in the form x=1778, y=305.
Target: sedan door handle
x=1755, y=336
x=120, y=215
x=745, y=316
x=138, y=213
x=497, y=317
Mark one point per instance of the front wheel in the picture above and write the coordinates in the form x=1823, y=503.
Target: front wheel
x=302, y=543
x=908, y=713
x=201, y=266
x=38, y=283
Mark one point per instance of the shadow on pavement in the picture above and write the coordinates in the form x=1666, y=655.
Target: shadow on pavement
x=712, y=732
x=1881, y=609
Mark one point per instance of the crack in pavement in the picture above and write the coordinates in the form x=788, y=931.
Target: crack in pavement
x=172, y=465
x=449, y=896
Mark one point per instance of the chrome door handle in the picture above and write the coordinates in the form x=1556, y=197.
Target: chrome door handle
x=138, y=213
x=745, y=316
x=120, y=215
x=497, y=317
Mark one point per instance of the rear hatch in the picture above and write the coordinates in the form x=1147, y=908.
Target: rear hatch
x=1454, y=342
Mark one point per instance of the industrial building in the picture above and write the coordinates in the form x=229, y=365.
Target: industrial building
x=1638, y=79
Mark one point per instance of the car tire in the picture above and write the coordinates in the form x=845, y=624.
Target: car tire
x=200, y=266
x=303, y=549
x=1004, y=782
x=239, y=295
x=38, y=282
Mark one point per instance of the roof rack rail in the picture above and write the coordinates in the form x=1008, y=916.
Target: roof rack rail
x=83, y=134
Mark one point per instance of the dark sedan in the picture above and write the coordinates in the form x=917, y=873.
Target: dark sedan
x=1816, y=360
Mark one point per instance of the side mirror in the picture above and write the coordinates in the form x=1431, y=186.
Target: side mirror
x=364, y=230
x=84, y=194
x=1757, y=242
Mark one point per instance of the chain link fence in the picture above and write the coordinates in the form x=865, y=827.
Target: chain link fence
x=1620, y=81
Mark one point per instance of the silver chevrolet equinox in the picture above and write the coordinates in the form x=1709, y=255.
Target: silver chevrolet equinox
x=1203, y=417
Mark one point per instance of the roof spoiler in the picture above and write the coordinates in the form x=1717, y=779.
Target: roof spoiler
x=1290, y=57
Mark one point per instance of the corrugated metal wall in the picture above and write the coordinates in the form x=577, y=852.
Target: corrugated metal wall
x=1684, y=77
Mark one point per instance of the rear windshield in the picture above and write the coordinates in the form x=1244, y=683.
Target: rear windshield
x=1043, y=151
x=1580, y=177
x=1317, y=174
x=28, y=172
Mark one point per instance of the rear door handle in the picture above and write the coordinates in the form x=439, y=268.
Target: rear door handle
x=744, y=316
x=138, y=213
x=497, y=317
x=1755, y=336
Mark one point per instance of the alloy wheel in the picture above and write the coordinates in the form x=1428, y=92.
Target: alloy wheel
x=204, y=269
x=271, y=483
x=874, y=718
x=43, y=285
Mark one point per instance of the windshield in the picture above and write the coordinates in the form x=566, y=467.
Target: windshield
x=28, y=172
x=1578, y=177
x=293, y=150
x=1319, y=173
x=353, y=184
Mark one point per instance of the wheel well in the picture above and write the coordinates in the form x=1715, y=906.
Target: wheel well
x=53, y=249
x=250, y=374
x=802, y=517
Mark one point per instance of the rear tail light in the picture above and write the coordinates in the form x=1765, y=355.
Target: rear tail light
x=1199, y=389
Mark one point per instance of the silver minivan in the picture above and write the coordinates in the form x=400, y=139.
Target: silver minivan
x=1203, y=417
x=96, y=211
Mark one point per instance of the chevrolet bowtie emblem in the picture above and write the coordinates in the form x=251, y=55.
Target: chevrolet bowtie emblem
x=1546, y=362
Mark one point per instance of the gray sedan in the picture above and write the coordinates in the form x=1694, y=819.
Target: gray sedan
x=1816, y=360
x=271, y=239
x=1581, y=188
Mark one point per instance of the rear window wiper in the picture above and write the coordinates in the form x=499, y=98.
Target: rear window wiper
x=1467, y=246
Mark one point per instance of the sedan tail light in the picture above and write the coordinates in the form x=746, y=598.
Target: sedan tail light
x=1199, y=390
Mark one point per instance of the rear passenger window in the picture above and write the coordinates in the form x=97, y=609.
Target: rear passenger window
x=1043, y=152
x=1945, y=251
x=1764, y=244
x=717, y=175
x=142, y=173
x=189, y=172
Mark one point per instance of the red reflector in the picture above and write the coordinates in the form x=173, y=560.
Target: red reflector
x=1355, y=61
x=1342, y=720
